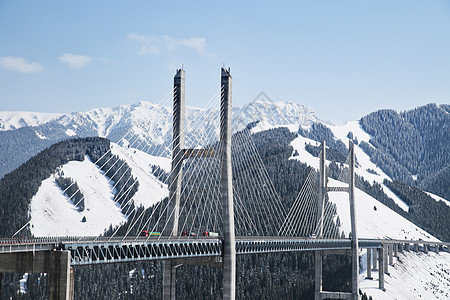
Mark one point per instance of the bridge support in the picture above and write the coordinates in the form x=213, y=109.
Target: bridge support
x=55, y=263
x=355, y=256
x=386, y=259
x=229, y=243
x=391, y=254
x=322, y=189
x=374, y=259
x=369, y=264
x=169, y=271
x=381, y=268
x=319, y=293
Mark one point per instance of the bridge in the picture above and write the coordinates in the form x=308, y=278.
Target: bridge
x=202, y=193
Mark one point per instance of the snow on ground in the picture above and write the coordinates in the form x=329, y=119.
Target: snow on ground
x=304, y=156
x=366, y=167
x=413, y=276
x=437, y=198
x=53, y=215
x=381, y=223
x=150, y=190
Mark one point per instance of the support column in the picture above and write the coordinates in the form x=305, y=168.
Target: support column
x=407, y=247
x=391, y=254
x=396, y=250
x=416, y=247
x=381, y=269
x=55, y=263
x=59, y=277
x=175, y=177
x=351, y=185
x=318, y=255
x=400, y=247
x=72, y=284
x=385, y=259
x=425, y=248
x=229, y=243
x=318, y=275
x=369, y=264
x=374, y=259
x=169, y=280
x=436, y=249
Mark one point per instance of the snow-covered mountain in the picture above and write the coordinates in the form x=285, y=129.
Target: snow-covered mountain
x=142, y=125
x=10, y=120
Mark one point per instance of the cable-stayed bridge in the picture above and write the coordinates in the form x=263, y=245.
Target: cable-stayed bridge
x=221, y=203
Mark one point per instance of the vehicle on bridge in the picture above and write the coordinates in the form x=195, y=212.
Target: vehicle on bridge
x=151, y=233
x=210, y=233
x=186, y=233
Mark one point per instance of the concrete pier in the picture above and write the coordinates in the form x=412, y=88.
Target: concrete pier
x=229, y=244
x=436, y=249
x=416, y=247
x=385, y=259
x=374, y=259
x=55, y=263
x=381, y=264
x=407, y=247
x=425, y=248
x=369, y=264
x=396, y=250
x=391, y=254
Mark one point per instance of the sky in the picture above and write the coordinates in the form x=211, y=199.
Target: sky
x=344, y=59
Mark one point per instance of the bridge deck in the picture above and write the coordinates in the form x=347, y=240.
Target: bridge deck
x=90, y=250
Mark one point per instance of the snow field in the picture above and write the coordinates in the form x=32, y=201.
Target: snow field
x=52, y=214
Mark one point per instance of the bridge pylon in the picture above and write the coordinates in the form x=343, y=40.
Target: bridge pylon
x=323, y=189
x=169, y=268
x=229, y=240
x=224, y=155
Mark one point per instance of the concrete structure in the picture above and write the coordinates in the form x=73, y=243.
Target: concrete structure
x=374, y=258
x=229, y=243
x=322, y=189
x=319, y=293
x=55, y=263
x=416, y=247
x=169, y=269
x=369, y=264
x=391, y=254
x=355, y=257
x=381, y=265
x=386, y=258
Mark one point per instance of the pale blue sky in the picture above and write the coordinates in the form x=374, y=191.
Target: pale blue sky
x=343, y=59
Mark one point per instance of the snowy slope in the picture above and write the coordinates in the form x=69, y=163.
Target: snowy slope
x=10, y=120
x=366, y=168
x=150, y=190
x=52, y=214
x=413, y=276
x=374, y=220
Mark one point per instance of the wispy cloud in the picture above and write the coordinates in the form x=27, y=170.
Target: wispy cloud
x=168, y=44
x=19, y=64
x=75, y=61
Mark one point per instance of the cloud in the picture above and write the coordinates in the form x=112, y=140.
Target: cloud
x=75, y=61
x=19, y=64
x=167, y=44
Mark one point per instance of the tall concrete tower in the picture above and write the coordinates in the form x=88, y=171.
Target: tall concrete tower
x=229, y=244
